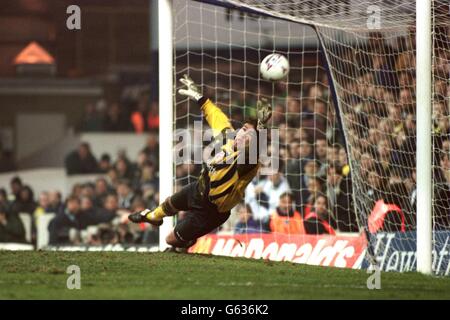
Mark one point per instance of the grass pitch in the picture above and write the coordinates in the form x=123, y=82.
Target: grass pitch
x=122, y=275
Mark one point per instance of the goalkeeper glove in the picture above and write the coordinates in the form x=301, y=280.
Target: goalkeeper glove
x=263, y=112
x=191, y=90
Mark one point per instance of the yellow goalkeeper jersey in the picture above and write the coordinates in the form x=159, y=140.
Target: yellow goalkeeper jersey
x=223, y=177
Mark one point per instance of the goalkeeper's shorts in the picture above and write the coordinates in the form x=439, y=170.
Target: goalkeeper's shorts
x=201, y=216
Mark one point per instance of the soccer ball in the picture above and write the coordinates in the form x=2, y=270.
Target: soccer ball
x=274, y=67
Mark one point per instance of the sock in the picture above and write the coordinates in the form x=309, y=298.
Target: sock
x=156, y=214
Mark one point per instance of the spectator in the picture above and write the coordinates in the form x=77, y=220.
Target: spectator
x=111, y=203
x=56, y=203
x=4, y=199
x=16, y=185
x=273, y=186
x=11, y=227
x=246, y=223
x=88, y=190
x=101, y=191
x=81, y=161
x=319, y=220
x=320, y=152
x=123, y=169
x=300, y=152
x=285, y=219
x=257, y=200
x=147, y=177
x=126, y=195
x=24, y=203
x=340, y=197
x=43, y=207
x=104, y=164
x=311, y=170
x=90, y=215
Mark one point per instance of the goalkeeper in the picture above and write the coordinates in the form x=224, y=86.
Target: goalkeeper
x=222, y=182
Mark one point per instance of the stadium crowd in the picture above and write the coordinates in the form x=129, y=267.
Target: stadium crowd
x=311, y=192
x=94, y=212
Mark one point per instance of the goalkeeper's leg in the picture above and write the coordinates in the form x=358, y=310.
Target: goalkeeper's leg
x=201, y=216
x=195, y=224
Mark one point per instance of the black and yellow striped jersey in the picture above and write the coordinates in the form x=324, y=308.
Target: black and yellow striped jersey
x=224, y=178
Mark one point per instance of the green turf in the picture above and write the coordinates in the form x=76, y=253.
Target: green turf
x=122, y=275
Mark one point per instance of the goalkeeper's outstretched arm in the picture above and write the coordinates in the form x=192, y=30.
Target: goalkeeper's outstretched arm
x=216, y=119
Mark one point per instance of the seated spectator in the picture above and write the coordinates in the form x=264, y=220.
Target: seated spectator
x=81, y=161
x=86, y=205
x=24, y=203
x=104, y=165
x=320, y=150
x=126, y=195
x=43, y=207
x=311, y=170
x=300, y=152
x=15, y=185
x=340, y=199
x=274, y=186
x=101, y=191
x=319, y=221
x=123, y=169
x=113, y=180
x=56, y=202
x=246, y=223
x=111, y=203
x=147, y=177
x=313, y=188
x=11, y=227
x=257, y=200
x=88, y=190
x=285, y=219
x=65, y=220
x=4, y=198
x=90, y=215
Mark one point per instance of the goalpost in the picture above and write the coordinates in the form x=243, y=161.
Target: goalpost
x=365, y=80
x=165, y=31
x=424, y=129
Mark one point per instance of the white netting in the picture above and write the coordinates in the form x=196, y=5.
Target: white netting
x=221, y=49
x=367, y=49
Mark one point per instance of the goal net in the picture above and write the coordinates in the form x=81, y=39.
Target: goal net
x=345, y=115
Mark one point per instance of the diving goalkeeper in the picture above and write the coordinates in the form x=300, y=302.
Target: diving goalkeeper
x=222, y=182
